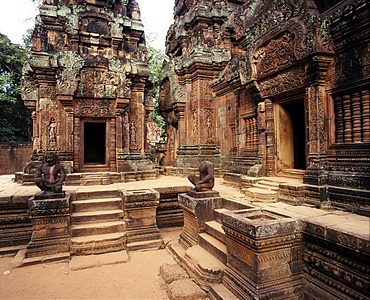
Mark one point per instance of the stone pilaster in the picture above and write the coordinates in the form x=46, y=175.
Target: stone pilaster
x=198, y=209
x=50, y=219
x=140, y=208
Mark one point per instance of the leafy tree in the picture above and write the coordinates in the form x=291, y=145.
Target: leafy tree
x=155, y=58
x=15, y=118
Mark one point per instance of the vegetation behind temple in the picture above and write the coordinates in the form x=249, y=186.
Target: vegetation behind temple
x=155, y=58
x=15, y=118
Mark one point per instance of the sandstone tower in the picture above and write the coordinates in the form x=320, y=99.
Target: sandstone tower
x=88, y=85
x=272, y=88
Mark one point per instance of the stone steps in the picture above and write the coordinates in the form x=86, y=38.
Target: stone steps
x=292, y=173
x=220, y=292
x=97, y=228
x=263, y=190
x=97, y=224
x=96, y=244
x=96, y=216
x=96, y=204
x=215, y=229
x=213, y=246
x=266, y=184
x=202, y=263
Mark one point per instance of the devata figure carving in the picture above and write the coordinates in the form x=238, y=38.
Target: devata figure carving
x=206, y=180
x=50, y=175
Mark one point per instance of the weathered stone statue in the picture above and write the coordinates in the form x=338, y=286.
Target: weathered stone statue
x=206, y=179
x=50, y=175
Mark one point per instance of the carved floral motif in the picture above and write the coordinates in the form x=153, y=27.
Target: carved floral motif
x=94, y=108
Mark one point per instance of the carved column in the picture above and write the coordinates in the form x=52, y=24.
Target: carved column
x=76, y=143
x=36, y=133
x=338, y=120
x=180, y=113
x=261, y=120
x=365, y=98
x=69, y=129
x=119, y=129
x=347, y=119
x=112, y=153
x=270, y=138
x=356, y=108
x=315, y=96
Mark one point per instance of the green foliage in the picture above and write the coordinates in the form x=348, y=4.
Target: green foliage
x=15, y=118
x=155, y=58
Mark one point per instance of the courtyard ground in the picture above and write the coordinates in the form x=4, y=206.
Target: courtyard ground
x=119, y=275
x=137, y=278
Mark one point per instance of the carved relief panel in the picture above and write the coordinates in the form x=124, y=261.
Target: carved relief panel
x=274, y=55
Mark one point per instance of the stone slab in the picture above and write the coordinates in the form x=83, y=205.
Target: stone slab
x=92, y=261
x=63, y=256
x=185, y=289
x=170, y=273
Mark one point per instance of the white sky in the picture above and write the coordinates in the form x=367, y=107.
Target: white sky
x=16, y=16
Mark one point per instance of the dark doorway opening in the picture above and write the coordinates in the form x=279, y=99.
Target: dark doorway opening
x=295, y=110
x=292, y=135
x=94, y=143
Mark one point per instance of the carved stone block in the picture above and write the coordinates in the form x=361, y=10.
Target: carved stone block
x=140, y=208
x=198, y=208
x=264, y=254
x=50, y=220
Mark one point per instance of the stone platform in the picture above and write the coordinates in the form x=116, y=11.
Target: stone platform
x=326, y=239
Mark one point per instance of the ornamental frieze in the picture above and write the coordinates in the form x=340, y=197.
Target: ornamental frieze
x=284, y=81
x=94, y=108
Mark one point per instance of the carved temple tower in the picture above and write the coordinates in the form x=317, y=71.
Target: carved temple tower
x=88, y=85
x=272, y=88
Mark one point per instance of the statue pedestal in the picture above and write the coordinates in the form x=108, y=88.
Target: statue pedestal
x=264, y=259
x=140, y=207
x=50, y=219
x=198, y=208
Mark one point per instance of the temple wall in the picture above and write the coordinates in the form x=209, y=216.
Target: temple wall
x=14, y=156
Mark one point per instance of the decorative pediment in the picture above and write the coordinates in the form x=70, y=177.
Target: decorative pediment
x=274, y=55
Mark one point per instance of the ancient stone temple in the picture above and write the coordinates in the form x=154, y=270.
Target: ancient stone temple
x=88, y=85
x=272, y=88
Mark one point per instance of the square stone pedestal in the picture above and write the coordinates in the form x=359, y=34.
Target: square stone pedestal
x=50, y=219
x=198, y=209
x=264, y=254
x=140, y=208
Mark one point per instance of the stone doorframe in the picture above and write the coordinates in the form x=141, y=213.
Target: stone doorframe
x=110, y=131
x=291, y=132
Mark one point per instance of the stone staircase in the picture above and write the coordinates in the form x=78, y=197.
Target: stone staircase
x=207, y=260
x=292, y=173
x=265, y=190
x=97, y=224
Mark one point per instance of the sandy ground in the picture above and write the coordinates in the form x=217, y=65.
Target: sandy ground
x=138, y=278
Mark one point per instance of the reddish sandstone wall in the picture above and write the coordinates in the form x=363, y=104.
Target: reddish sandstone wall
x=14, y=156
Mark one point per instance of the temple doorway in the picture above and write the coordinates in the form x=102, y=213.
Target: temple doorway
x=94, y=152
x=291, y=134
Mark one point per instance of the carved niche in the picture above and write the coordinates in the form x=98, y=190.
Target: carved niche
x=70, y=64
x=95, y=25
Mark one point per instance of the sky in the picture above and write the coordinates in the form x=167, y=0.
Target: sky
x=16, y=16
